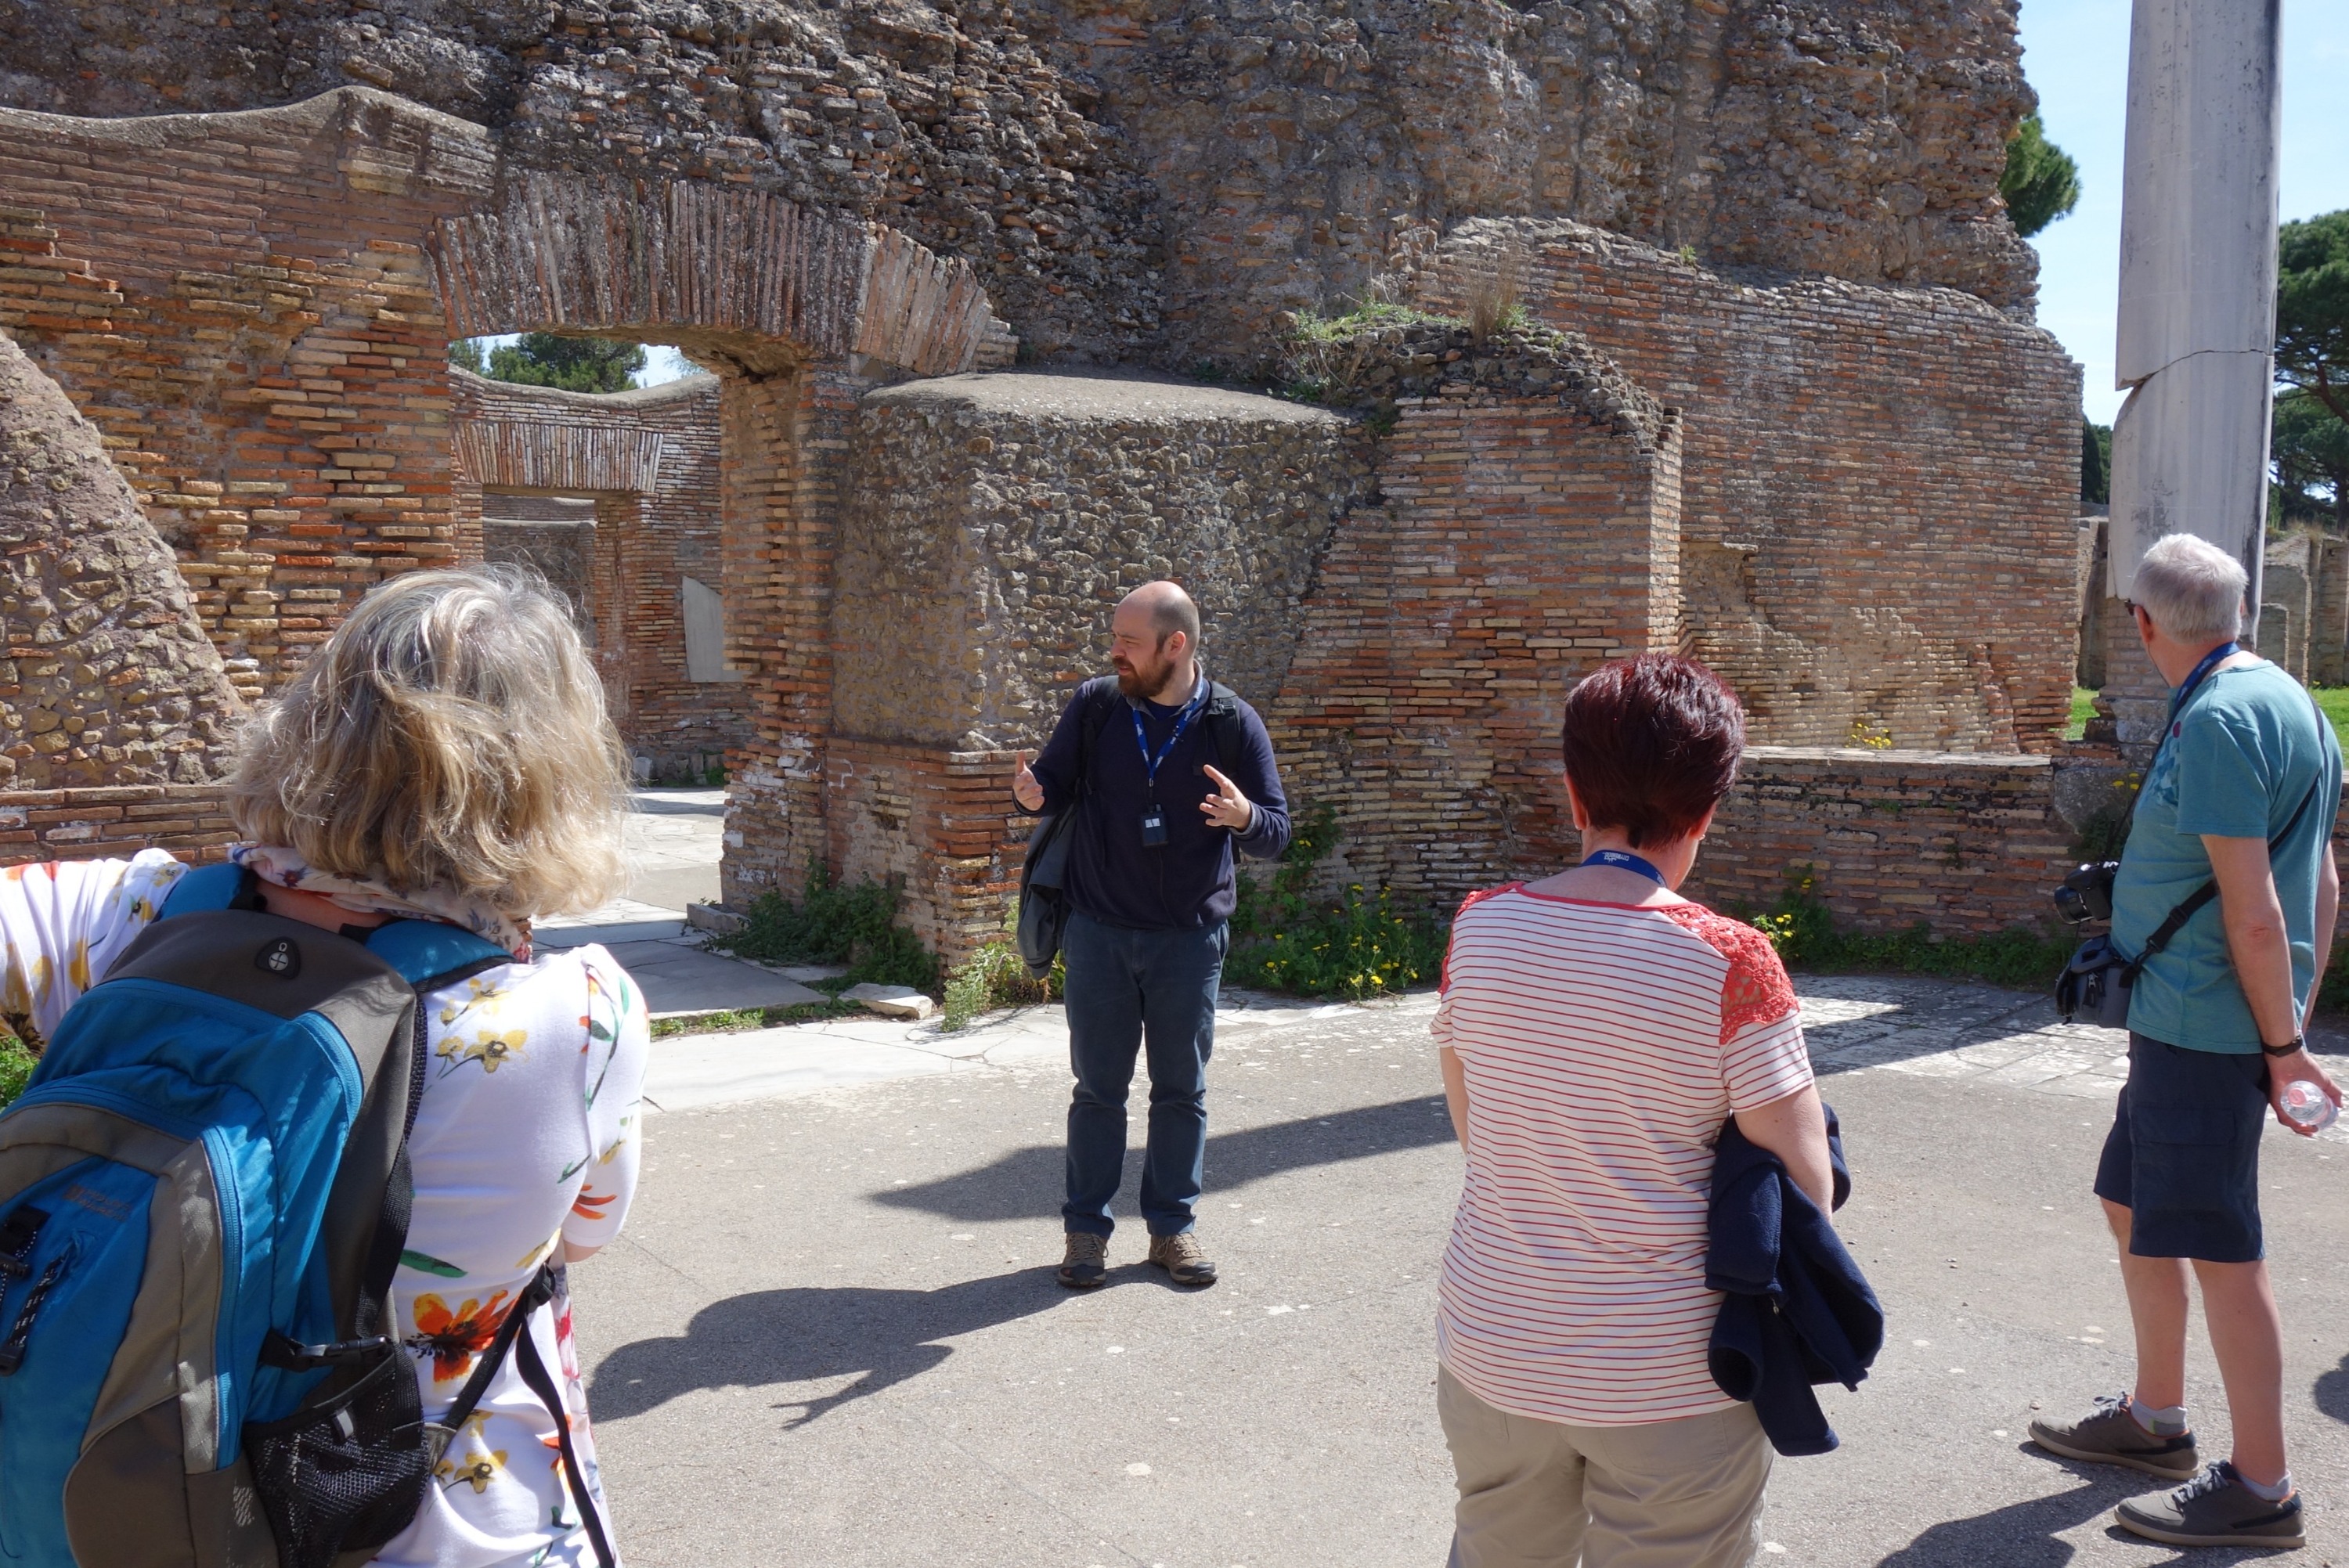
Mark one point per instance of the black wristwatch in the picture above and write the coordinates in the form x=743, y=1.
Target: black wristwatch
x=2299, y=1043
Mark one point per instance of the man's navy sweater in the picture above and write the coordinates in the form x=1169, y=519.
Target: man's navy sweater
x=1186, y=883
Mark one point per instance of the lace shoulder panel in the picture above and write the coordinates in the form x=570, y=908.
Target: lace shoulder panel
x=1755, y=990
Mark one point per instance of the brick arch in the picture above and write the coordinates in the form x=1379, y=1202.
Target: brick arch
x=744, y=274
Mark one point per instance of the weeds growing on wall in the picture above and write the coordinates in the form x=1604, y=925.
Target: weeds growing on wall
x=995, y=977
x=16, y=1064
x=1323, y=355
x=856, y=925
x=1361, y=945
x=1803, y=931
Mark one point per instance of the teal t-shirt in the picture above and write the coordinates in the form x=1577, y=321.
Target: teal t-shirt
x=2241, y=757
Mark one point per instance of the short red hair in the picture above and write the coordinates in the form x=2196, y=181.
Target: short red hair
x=1652, y=745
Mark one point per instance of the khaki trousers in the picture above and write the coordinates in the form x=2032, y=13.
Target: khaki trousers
x=1542, y=1494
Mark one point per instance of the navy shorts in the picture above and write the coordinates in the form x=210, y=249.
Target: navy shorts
x=2183, y=1156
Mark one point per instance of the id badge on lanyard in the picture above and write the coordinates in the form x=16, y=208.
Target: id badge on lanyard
x=1153, y=817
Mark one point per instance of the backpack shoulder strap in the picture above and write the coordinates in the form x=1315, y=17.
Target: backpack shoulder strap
x=206, y=888
x=429, y=953
x=1100, y=697
x=1222, y=719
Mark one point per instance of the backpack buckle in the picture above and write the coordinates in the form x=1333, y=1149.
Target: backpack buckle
x=17, y=1238
x=290, y=1355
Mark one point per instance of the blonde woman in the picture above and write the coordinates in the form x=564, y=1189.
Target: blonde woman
x=445, y=755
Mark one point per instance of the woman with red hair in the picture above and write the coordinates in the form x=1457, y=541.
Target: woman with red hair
x=1597, y=1031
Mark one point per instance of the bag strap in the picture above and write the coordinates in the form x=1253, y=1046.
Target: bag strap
x=2191, y=904
x=541, y=1383
x=1222, y=721
x=512, y=1339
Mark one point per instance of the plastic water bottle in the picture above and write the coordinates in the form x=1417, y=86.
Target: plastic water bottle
x=2308, y=1105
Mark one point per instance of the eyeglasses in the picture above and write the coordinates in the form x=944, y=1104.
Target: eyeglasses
x=2131, y=607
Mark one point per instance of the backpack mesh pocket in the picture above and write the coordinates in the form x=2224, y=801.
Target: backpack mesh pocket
x=344, y=1472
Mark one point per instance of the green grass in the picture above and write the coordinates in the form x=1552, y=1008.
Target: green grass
x=752, y=1018
x=1807, y=938
x=2083, y=708
x=1355, y=945
x=995, y=977
x=835, y=922
x=2334, y=701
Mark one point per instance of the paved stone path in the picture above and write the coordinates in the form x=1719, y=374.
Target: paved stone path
x=829, y=1338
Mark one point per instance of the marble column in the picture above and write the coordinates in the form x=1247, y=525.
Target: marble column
x=2197, y=303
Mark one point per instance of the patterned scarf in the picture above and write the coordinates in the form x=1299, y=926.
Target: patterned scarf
x=281, y=867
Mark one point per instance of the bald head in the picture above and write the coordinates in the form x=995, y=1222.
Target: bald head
x=1153, y=638
x=1169, y=608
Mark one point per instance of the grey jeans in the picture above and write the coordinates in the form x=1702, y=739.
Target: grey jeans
x=1542, y=1494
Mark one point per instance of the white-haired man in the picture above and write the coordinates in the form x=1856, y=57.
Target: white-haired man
x=2242, y=791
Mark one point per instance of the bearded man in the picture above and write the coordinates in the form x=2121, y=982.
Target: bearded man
x=1166, y=772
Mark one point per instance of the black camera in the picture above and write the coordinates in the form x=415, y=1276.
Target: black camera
x=2088, y=894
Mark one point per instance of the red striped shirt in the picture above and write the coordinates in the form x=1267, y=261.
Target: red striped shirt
x=1604, y=1046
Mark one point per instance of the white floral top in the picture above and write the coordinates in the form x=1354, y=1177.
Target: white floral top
x=528, y=1134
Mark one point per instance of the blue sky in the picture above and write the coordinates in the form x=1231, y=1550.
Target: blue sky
x=2075, y=53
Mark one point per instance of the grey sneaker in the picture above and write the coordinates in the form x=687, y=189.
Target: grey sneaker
x=1086, y=1266
x=2110, y=1435
x=2214, y=1509
x=1183, y=1258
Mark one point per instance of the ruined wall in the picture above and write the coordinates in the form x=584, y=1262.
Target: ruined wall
x=994, y=522
x=1890, y=840
x=254, y=310
x=105, y=676
x=240, y=304
x=657, y=449
x=1151, y=180
x=2304, y=622
x=1878, y=519
x=989, y=526
x=1520, y=544
x=1407, y=609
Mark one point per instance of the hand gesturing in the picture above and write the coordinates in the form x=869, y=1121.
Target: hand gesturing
x=1024, y=788
x=1228, y=807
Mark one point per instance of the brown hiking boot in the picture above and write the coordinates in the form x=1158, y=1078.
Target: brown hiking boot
x=1183, y=1258
x=1087, y=1265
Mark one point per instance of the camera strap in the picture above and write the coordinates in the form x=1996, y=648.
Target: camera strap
x=2191, y=904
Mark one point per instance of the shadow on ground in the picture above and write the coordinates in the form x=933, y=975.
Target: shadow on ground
x=1901, y=1033
x=2332, y=1392
x=783, y=1336
x=1027, y=1183
x=2025, y=1534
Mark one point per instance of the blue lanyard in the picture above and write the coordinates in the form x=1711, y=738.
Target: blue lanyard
x=1627, y=861
x=1141, y=741
x=2211, y=661
x=2178, y=704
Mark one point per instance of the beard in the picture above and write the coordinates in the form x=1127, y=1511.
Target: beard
x=1143, y=682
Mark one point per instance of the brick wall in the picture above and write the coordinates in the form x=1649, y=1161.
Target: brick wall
x=650, y=459
x=1881, y=484
x=1149, y=181
x=993, y=522
x=254, y=310
x=190, y=819
x=1520, y=545
x=1964, y=844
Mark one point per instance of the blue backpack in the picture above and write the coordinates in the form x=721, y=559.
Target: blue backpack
x=204, y=1193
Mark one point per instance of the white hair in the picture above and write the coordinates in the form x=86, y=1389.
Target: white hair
x=2191, y=588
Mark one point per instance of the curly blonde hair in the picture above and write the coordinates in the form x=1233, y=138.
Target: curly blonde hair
x=450, y=734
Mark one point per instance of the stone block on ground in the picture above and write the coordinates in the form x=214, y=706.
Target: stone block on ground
x=891, y=1001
